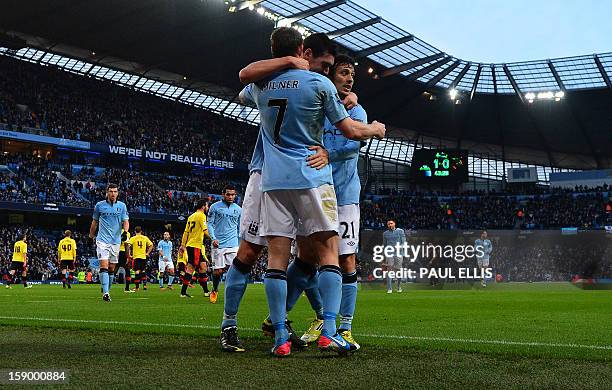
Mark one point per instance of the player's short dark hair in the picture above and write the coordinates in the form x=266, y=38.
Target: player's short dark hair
x=67, y=233
x=391, y=220
x=341, y=59
x=285, y=41
x=320, y=44
x=138, y=229
x=167, y=231
x=229, y=187
x=201, y=203
x=111, y=185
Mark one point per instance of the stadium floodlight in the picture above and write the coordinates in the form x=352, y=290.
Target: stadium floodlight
x=453, y=93
x=559, y=94
x=545, y=95
x=530, y=96
x=261, y=10
x=251, y=7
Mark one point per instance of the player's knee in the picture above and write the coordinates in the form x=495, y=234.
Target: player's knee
x=248, y=252
x=347, y=263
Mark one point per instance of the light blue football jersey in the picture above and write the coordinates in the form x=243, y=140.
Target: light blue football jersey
x=224, y=223
x=110, y=217
x=343, y=156
x=166, y=248
x=293, y=106
x=257, y=157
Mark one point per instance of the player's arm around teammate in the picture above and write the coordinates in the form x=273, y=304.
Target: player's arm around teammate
x=262, y=69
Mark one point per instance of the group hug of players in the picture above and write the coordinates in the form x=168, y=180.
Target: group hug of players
x=303, y=187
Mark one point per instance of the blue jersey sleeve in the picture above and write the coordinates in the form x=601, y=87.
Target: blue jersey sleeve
x=346, y=152
x=96, y=212
x=334, y=109
x=246, y=95
x=359, y=114
x=124, y=213
x=212, y=212
x=351, y=147
x=159, y=245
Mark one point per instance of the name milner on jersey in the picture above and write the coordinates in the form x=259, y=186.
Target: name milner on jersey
x=285, y=84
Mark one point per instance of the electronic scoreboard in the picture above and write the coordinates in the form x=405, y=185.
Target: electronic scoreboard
x=440, y=166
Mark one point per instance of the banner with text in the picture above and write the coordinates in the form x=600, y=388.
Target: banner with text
x=167, y=157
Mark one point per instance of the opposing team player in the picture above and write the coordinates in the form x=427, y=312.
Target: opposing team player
x=181, y=267
x=125, y=259
x=297, y=102
x=343, y=156
x=318, y=56
x=193, y=243
x=19, y=263
x=109, y=217
x=140, y=249
x=165, y=265
x=67, y=255
x=223, y=223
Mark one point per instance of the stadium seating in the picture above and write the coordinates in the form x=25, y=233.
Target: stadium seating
x=30, y=179
x=64, y=105
x=585, y=208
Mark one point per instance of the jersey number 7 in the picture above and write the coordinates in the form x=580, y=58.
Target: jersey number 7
x=282, y=108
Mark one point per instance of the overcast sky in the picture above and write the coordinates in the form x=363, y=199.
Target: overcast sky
x=504, y=31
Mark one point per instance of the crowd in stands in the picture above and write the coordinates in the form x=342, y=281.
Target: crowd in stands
x=32, y=179
x=588, y=209
x=66, y=105
x=538, y=190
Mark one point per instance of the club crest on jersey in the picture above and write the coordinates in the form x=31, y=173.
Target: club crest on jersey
x=253, y=228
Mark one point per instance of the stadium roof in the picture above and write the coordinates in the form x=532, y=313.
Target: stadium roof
x=400, y=52
x=194, y=44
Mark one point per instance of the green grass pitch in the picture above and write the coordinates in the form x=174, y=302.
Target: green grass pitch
x=505, y=336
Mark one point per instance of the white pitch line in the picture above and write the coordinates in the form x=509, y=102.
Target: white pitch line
x=498, y=342
x=401, y=337
x=82, y=299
